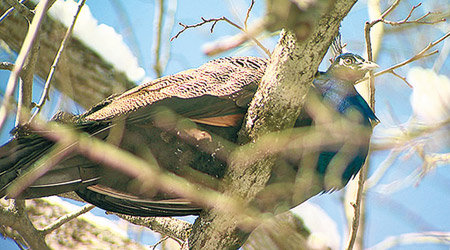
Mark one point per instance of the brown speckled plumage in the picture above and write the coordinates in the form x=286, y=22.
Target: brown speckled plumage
x=187, y=124
x=221, y=78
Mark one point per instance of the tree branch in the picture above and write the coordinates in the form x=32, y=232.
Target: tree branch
x=64, y=219
x=64, y=42
x=6, y=66
x=41, y=9
x=171, y=227
x=275, y=106
x=85, y=83
x=16, y=218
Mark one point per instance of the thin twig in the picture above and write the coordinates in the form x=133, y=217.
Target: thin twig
x=247, y=34
x=406, y=19
x=238, y=40
x=6, y=66
x=417, y=20
x=66, y=218
x=159, y=242
x=390, y=9
x=6, y=14
x=159, y=14
x=357, y=205
x=205, y=21
x=19, y=245
x=20, y=61
x=45, y=92
x=169, y=21
x=25, y=98
x=247, y=15
x=363, y=172
x=381, y=169
x=401, y=77
x=422, y=54
x=430, y=237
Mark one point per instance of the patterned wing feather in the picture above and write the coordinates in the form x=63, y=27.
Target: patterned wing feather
x=227, y=78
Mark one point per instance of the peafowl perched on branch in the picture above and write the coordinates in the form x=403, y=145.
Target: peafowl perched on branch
x=213, y=99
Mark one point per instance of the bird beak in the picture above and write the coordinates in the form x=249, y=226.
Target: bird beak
x=367, y=65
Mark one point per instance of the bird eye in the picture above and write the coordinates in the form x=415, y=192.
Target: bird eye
x=348, y=61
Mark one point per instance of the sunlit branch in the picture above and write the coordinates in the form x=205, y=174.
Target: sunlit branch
x=159, y=15
x=420, y=55
x=413, y=238
x=6, y=66
x=66, y=218
x=176, y=229
x=247, y=33
x=44, y=96
x=247, y=15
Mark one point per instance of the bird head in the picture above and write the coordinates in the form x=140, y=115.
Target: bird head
x=350, y=67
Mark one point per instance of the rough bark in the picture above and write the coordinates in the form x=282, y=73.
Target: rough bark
x=82, y=74
x=79, y=233
x=275, y=106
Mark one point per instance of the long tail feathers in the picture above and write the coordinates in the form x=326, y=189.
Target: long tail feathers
x=124, y=203
x=17, y=156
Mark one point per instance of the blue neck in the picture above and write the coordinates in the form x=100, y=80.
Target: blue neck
x=342, y=95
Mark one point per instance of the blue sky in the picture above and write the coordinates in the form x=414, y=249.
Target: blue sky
x=420, y=206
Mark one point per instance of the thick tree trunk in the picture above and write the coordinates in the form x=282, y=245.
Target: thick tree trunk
x=275, y=107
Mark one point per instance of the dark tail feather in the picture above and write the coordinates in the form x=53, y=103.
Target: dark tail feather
x=72, y=173
x=18, y=155
x=116, y=201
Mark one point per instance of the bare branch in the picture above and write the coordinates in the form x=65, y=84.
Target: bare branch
x=41, y=9
x=159, y=242
x=176, y=229
x=238, y=40
x=437, y=158
x=417, y=20
x=159, y=14
x=422, y=54
x=64, y=42
x=6, y=66
x=247, y=15
x=205, y=21
x=64, y=219
x=413, y=238
x=381, y=169
x=242, y=37
x=390, y=9
x=401, y=77
x=16, y=218
x=357, y=206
